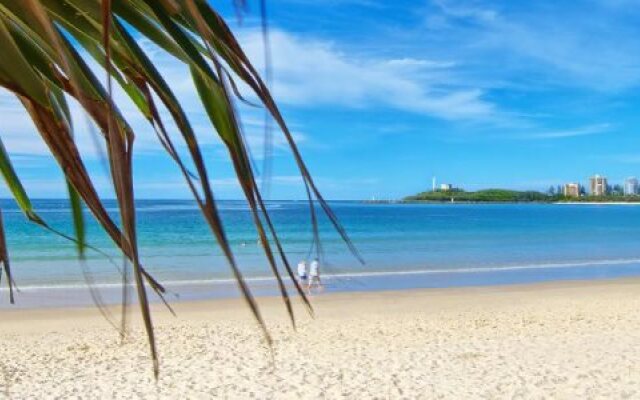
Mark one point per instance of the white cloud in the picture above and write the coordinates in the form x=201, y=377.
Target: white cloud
x=308, y=73
x=20, y=135
x=17, y=131
x=228, y=187
x=412, y=62
x=459, y=10
x=580, y=131
x=587, y=45
x=624, y=158
x=311, y=72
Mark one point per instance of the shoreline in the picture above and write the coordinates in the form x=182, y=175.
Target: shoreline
x=78, y=294
x=232, y=305
x=550, y=202
x=546, y=340
x=615, y=203
x=69, y=318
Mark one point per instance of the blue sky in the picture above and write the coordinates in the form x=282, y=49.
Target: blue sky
x=383, y=95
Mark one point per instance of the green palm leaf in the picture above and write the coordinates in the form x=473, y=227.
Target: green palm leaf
x=41, y=43
x=4, y=260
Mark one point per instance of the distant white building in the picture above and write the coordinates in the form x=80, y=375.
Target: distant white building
x=598, y=185
x=630, y=186
x=445, y=187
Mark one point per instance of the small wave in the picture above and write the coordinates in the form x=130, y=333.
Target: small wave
x=346, y=275
x=490, y=269
x=152, y=208
x=39, y=210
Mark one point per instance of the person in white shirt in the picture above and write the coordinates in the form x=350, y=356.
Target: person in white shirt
x=314, y=275
x=302, y=271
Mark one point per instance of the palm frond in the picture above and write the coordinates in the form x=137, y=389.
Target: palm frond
x=44, y=43
x=4, y=260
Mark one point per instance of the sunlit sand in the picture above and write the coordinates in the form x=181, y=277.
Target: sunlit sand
x=556, y=340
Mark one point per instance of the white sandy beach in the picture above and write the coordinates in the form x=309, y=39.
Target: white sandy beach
x=574, y=340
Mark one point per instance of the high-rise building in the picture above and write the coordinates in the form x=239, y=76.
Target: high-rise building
x=630, y=186
x=598, y=185
x=572, y=190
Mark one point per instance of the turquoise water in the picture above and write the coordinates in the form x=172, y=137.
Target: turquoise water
x=450, y=244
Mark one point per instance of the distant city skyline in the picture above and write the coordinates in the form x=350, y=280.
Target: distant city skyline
x=597, y=184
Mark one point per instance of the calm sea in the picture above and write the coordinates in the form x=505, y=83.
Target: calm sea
x=404, y=246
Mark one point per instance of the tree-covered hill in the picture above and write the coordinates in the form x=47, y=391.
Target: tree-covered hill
x=488, y=195
x=514, y=196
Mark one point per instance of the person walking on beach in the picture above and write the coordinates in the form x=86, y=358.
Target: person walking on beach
x=314, y=275
x=302, y=271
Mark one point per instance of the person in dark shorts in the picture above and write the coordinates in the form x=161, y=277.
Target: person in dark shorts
x=302, y=271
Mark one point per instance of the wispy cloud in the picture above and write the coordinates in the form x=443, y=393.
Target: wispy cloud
x=461, y=10
x=313, y=72
x=29, y=161
x=581, y=44
x=228, y=187
x=580, y=131
x=623, y=158
x=21, y=137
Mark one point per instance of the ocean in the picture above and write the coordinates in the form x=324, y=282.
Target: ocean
x=403, y=245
